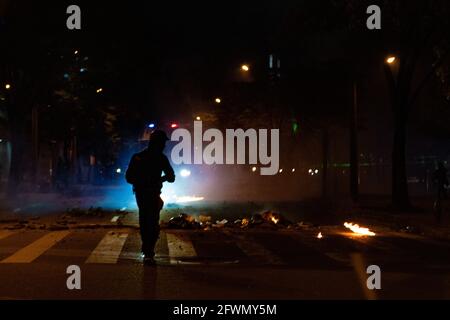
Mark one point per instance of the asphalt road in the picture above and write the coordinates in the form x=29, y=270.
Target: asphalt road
x=224, y=263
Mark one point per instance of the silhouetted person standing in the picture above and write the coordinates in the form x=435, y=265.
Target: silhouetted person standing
x=441, y=180
x=145, y=174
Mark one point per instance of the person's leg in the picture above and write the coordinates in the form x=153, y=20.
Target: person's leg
x=144, y=222
x=153, y=223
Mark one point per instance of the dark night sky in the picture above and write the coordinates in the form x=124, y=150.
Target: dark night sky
x=161, y=50
x=158, y=44
x=165, y=43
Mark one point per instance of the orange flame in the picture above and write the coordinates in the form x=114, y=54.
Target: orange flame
x=359, y=230
x=271, y=217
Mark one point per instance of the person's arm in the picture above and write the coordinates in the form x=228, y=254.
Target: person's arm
x=169, y=174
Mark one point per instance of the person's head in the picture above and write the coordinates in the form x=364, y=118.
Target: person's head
x=158, y=140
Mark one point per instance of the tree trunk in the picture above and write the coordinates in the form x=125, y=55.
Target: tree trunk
x=399, y=88
x=400, y=197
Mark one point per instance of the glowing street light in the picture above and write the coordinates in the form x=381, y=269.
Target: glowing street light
x=218, y=100
x=197, y=118
x=390, y=59
x=99, y=90
x=253, y=169
x=76, y=52
x=151, y=125
x=174, y=125
x=185, y=173
x=7, y=86
x=293, y=170
x=245, y=68
x=280, y=171
x=118, y=170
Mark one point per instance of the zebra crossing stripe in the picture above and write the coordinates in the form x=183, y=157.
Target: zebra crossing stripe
x=35, y=249
x=179, y=247
x=161, y=248
x=255, y=250
x=5, y=233
x=109, y=248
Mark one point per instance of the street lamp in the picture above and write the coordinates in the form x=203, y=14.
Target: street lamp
x=7, y=86
x=390, y=59
x=99, y=90
x=197, y=118
x=245, y=68
x=218, y=100
x=185, y=173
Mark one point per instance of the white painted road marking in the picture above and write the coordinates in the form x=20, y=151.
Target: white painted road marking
x=109, y=248
x=179, y=247
x=254, y=250
x=6, y=233
x=35, y=249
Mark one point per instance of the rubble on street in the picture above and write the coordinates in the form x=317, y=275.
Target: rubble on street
x=267, y=219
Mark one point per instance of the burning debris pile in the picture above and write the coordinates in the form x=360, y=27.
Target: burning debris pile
x=276, y=219
x=267, y=219
x=183, y=221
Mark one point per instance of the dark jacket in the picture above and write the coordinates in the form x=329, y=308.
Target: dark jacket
x=145, y=170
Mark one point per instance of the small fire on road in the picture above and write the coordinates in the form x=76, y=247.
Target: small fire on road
x=359, y=230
